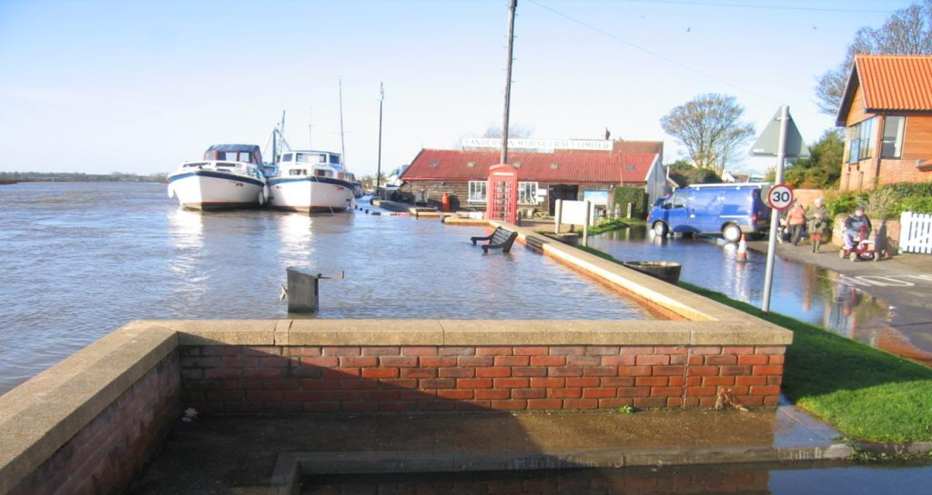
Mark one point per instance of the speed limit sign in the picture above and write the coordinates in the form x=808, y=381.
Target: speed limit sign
x=780, y=197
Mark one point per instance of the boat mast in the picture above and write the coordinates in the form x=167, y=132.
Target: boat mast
x=310, y=126
x=342, y=138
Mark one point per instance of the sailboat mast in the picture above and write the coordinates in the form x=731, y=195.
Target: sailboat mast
x=342, y=137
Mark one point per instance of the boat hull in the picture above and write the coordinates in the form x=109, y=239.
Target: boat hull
x=311, y=194
x=209, y=190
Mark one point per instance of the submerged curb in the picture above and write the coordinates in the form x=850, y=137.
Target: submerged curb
x=290, y=467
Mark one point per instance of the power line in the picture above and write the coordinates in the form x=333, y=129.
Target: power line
x=654, y=54
x=760, y=7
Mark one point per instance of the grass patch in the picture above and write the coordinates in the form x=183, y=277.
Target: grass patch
x=863, y=392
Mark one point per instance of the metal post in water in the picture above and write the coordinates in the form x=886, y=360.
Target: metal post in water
x=303, y=291
x=775, y=214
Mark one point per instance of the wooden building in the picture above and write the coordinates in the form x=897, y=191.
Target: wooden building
x=544, y=176
x=886, y=111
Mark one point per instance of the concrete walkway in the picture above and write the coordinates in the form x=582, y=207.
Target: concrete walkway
x=903, y=282
x=239, y=455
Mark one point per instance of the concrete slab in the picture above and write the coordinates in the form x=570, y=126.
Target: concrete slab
x=231, y=455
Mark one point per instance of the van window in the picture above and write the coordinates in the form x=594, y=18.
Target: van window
x=677, y=201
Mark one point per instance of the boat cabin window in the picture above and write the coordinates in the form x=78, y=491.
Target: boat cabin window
x=335, y=159
x=323, y=173
x=310, y=157
x=287, y=157
x=228, y=165
x=194, y=165
x=297, y=171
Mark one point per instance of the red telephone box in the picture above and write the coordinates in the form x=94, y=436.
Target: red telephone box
x=502, y=194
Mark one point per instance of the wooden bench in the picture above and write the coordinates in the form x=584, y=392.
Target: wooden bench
x=500, y=239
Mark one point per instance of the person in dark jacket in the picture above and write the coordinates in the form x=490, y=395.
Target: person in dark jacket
x=853, y=225
x=818, y=217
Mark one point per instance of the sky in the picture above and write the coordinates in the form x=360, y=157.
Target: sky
x=139, y=87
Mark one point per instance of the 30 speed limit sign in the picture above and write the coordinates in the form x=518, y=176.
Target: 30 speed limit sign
x=780, y=197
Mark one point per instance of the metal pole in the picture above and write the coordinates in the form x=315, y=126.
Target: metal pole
x=342, y=140
x=775, y=214
x=378, y=170
x=511, y=44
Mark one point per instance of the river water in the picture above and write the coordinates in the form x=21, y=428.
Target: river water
x=78, y=260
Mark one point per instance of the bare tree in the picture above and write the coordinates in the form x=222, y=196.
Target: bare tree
x=906, y=32
x=711, y=129
x=514, y=132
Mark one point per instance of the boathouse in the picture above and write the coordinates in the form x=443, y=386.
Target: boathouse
x=548, y=170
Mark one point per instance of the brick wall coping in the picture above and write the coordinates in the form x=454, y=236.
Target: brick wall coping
x=475, y=332
x=40, y=416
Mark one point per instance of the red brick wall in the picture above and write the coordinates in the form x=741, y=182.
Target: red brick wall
x=896, y=171
x=238, y=379
x=103, y=457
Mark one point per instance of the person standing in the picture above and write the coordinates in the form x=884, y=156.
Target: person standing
x=818, y=217
x=796, y=219
x=853, y=226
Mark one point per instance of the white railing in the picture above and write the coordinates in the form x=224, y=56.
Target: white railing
x=915, y=233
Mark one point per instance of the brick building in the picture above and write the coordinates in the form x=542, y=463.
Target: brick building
x=567, y=169
x=887, y=115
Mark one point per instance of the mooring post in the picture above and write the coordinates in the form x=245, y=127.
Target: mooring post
x=303, y=290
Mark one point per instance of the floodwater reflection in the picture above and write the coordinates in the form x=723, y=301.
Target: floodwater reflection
x=805, y=292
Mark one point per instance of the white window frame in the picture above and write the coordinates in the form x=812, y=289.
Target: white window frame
x=527, y=193
x=477, y=191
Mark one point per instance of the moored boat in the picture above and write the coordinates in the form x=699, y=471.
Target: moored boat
x=229, y=176
x=311, y=181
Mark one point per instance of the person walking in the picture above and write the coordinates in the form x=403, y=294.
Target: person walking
x=818, y=217
x=796, y=219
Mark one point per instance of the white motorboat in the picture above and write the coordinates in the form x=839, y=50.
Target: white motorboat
x=229, y=176
x=311, y=181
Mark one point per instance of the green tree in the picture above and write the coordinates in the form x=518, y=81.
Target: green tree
x=823, y=168
x=906, y=32
x=684, y=173
x=711, y=129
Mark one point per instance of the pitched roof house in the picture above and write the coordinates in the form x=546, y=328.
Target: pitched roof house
x=887, y=113
x=543, y=177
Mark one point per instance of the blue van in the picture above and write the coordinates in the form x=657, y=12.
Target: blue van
x=726, y=209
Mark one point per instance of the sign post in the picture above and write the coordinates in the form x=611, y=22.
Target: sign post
x=782, y=139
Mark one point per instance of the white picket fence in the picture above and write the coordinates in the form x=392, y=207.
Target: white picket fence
x=915, y=233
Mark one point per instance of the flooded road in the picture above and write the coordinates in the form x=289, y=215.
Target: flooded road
x=747, y=479
x=77, y=260
x=802, y=291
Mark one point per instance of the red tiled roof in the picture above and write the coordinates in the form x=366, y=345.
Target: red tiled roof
x=571, y=168
x=890, y=82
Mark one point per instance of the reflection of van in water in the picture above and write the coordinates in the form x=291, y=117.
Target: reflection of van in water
x=726, y=209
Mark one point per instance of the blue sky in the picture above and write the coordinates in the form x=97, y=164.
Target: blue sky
x=102, y=86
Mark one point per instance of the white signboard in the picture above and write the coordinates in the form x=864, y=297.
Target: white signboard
x=539, y=144
x=574, y=212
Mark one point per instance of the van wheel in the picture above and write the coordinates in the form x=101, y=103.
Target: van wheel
x=660, y=229
x=731, y=233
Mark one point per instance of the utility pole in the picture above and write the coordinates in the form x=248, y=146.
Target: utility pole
x=378, y=170
x=775, y=214
x=511, y=45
